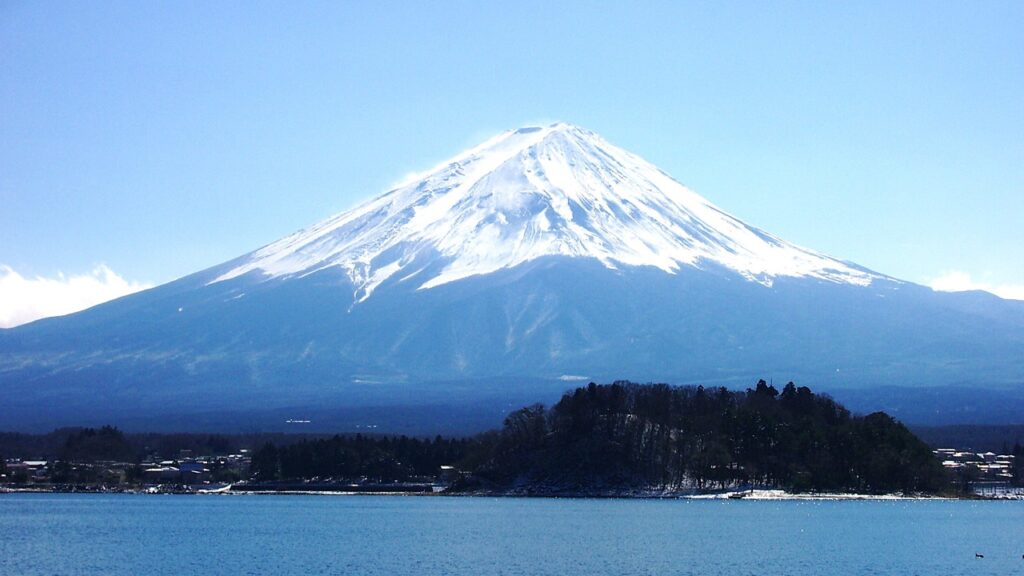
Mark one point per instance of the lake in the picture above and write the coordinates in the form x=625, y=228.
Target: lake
x=68, y=534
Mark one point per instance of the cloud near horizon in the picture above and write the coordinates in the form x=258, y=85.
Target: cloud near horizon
x=958, y=281
x=23, y=300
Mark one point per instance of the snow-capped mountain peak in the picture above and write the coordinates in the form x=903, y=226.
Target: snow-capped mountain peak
x=528, y=193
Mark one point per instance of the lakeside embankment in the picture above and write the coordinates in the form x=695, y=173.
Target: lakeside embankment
x=433, y=490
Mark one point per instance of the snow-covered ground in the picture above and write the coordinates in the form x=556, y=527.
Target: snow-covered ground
x=783, y=495
x=533, y=192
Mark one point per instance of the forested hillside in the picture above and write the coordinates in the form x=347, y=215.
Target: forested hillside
x=626, y=436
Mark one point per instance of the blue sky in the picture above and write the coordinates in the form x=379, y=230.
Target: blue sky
x=145, y=141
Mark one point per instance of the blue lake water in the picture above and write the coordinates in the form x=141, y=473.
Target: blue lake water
x=67, y=534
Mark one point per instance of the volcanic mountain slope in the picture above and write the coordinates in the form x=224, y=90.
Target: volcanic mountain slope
x=543, y=255
x=525, y=194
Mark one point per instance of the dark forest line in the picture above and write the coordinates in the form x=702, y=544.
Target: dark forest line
x=599, y=439
x=628, y=438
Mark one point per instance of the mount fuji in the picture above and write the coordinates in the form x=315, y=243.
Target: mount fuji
x=534, y=192
x=543, y=256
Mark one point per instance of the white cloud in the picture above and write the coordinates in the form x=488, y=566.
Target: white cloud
x=23, y=299
x=957, y=281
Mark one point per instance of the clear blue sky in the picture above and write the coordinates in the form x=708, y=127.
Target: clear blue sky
x=162, y=138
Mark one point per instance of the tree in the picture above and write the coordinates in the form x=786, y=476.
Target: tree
x=265, y=465
x=90, y=445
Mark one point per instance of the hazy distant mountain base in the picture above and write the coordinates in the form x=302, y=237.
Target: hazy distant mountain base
x=938, y=405
x=915, y=406
x=1000, y=439
x=248, y=352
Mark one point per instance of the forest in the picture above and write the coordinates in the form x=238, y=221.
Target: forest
x=612, y=439
x=606, y=439
x=358, y=457
x=627, y=435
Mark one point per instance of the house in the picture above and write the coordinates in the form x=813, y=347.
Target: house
x=194, y=472
x=161, y=474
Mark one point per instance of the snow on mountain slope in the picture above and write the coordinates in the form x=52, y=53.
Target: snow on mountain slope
x=533, y=192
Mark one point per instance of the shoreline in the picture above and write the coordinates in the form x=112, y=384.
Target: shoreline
x=759, y=495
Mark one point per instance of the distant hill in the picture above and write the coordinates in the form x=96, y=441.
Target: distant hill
x=977, y=438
